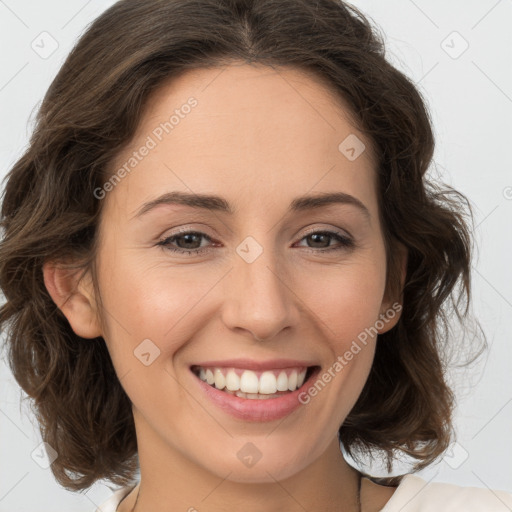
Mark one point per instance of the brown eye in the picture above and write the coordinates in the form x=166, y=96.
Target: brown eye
x=187, y=243
x=321, y=240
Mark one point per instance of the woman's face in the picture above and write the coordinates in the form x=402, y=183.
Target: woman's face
x=250, y=282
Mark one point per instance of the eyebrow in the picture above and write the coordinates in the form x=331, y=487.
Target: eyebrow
x=219, y=204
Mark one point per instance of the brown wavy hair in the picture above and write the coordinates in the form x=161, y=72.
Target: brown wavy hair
x=91, y=111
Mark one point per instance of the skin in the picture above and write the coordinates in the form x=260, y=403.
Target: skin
x=259, y=137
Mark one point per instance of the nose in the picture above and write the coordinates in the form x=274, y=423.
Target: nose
x=260, y=298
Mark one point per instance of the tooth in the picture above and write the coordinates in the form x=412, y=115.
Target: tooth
x=209, y=376
x=220, y=380
x=240, y=394
x=292, y=381
x=249, y=382
x=282, y=382
x=300, y=378
x=232, y=380
x=268, y=385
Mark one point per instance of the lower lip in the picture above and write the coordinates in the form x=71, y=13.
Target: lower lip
x=255, y=409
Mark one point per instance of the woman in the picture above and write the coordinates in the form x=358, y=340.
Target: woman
x=223, y=259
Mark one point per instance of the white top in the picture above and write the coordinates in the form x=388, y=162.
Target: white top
x=414, y=494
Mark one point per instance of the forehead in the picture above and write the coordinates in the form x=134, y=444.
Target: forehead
x=253, y=131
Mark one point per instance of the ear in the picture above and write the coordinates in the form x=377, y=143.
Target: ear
x=74, y=296
x=391, y=306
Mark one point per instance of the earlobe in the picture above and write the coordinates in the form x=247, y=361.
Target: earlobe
x=390, y=312
x=389, y=318
x=74, y=298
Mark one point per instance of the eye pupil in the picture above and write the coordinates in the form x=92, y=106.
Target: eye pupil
x=188, y=237
x=318, y=236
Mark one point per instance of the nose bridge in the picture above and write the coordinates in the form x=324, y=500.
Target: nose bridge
x=260, y=299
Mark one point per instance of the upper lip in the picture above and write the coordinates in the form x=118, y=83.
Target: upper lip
x=251, y=364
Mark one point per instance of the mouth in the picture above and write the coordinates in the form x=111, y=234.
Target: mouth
x=251, y=384
x=256, y=392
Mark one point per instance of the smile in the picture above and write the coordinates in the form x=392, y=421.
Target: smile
x=253, y=384
x=255, y=395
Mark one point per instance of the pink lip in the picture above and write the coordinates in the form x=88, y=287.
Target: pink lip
x=255, y=410
x=249, y=364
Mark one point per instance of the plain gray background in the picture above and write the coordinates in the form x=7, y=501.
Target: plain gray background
x=459, y=54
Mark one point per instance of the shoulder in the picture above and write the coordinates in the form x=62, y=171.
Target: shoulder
x=414, y=494
x=111, y=504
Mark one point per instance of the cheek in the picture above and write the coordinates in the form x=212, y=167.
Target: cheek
x=158, y=302
x=347, y=305
x=346, y=299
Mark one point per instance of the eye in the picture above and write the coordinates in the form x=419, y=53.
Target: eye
x=189, y=242
x=320, y=238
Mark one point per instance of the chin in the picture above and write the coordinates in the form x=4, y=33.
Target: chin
x=251, y=465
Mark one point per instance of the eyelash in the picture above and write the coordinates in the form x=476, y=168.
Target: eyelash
x=345, y=242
